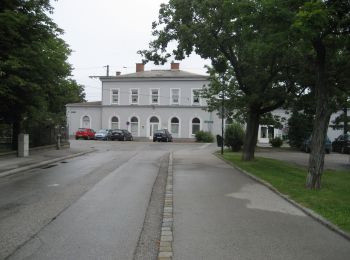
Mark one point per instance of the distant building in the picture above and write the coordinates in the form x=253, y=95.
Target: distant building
x=148, y=100
x=145, y=101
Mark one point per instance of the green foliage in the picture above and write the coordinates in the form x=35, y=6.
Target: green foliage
x=204, y=137
x=330, y=202
x=234, y=136
x=276, y=142
x=300, y=127
x=249, y=44
x=34, y=72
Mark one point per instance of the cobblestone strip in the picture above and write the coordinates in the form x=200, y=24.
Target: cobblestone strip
x=166, y=239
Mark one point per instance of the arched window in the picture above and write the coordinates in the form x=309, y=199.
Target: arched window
x=154, y=119
x=114, y=122
x=196, y=125
x=134, y=126
x=86, y=122
x=174, y=125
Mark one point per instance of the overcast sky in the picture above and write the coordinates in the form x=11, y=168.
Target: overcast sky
x=110, y=32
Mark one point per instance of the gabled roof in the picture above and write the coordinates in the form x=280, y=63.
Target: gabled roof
x=157, y=74
x=86, y=104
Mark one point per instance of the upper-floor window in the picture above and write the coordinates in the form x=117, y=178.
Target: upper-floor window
x=175, y=96
x=154, y=96
x=115, y=96
x=195, y=96
x=134, y=96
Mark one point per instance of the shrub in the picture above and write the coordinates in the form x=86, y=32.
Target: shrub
x=276, y=142
x=234, y=136
x=204, y=137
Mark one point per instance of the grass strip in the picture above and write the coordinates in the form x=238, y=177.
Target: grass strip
x=332, y=201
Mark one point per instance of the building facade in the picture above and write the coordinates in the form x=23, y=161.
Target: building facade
x=145, y=101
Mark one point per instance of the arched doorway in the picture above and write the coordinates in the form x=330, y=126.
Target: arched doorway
x=114, y=123
x=134, y=126
x=153, y=125
x=174, y=126
x=85, y=122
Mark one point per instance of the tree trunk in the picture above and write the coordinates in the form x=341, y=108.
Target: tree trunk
x=251, y=136
x=345, y=130
x=322, y=116
x=316, y=159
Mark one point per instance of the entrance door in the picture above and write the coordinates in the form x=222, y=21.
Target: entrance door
x=86, y=122
x=153, y=126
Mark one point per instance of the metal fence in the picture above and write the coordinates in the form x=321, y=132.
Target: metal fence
x=38, y=136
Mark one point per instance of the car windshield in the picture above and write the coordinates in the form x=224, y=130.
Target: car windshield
x=117, y=131
x=162, y=131
x=102, y=131
x=82, y=129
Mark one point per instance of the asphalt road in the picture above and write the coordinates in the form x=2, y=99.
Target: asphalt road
x=88, y=207
x=107, y=205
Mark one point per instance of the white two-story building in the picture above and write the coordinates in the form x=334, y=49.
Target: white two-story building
x=148, y=100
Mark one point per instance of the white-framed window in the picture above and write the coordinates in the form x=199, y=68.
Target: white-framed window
x=196, y=125
x=174, y=96
x=195, y=96
x=175, y=126
x=115, y=96
x=115, y=123
x=134, y=96
x=154, y=96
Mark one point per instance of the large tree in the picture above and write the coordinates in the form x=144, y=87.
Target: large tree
x=33, y=63
x=249, y=40
x=324, y=31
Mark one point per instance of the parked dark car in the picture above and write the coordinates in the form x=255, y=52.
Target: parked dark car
x=103, y=134
x=162, y=135
x=306, y=146
x=85, y=133
x=341, y=144
x=121, y=135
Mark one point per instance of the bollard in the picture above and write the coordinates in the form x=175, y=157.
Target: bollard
x=23, y=145
x=58, y=142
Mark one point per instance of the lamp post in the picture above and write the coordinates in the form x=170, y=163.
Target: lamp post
x=222, y=121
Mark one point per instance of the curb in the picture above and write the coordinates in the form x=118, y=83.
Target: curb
x=307, y=211
x=36, y=165
x=166, y=237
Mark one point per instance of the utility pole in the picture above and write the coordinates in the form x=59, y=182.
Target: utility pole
x=107, y=66
x=222, y=120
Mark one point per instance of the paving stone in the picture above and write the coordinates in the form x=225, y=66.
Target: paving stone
x=165, y=254
x=167, y=233
x=166, y=238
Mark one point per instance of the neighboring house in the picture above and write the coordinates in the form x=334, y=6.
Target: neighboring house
x=145, y=101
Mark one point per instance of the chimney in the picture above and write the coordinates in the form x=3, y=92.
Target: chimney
x=175, y=66
x=140, y=67
x=117, y=73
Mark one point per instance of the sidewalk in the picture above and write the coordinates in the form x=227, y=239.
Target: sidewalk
x=10, y=164
x=220, y=213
